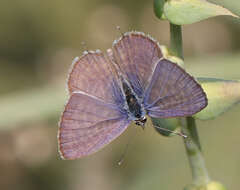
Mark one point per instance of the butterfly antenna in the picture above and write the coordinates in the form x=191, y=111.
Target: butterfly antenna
x=126, y=149
x=174, y=132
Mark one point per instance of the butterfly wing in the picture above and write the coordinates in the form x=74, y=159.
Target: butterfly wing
x=136, y=55
x=87, y=124
x=173, y=93
x=91, y=73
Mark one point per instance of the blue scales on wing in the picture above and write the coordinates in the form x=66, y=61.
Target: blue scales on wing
x=136, y=55
x=173, y=92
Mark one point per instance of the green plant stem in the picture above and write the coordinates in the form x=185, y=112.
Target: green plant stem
x=192, y=143
x=195, y=156
x=176, y=40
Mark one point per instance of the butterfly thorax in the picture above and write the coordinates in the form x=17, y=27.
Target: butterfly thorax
x=134, y=105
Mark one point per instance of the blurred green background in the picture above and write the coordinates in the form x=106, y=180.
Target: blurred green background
x=39, y=39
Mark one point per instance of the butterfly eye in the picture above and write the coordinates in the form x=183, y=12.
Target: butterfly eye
x=144, y=119
x=141, y=122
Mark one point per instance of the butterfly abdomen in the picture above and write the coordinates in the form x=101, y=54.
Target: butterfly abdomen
x=132, y=101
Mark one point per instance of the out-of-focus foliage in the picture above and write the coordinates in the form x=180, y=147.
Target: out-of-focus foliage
x=39, y=105
x=39, y=39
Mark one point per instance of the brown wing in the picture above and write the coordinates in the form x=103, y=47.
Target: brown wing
x=88, y=124
x=136, y=55
x=91, y=74
x=173, y=92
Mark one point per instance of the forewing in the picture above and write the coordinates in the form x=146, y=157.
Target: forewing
x=136, y=55
x=173, y=92
x=87, y=124
x=91, y=73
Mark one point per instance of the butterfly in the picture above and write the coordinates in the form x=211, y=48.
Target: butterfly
x=109, y=91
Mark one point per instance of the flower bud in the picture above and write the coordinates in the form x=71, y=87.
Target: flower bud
x=158, y=8
x=213, y=185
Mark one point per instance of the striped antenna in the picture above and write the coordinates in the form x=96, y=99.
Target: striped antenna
x=174, y=132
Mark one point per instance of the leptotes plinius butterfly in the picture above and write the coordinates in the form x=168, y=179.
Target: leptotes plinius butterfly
x=109, y=91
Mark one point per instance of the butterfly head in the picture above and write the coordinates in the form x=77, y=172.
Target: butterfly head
x=141, y=122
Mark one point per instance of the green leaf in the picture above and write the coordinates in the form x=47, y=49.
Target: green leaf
x=182, y=12
x=222, y=95
x=172, y=124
